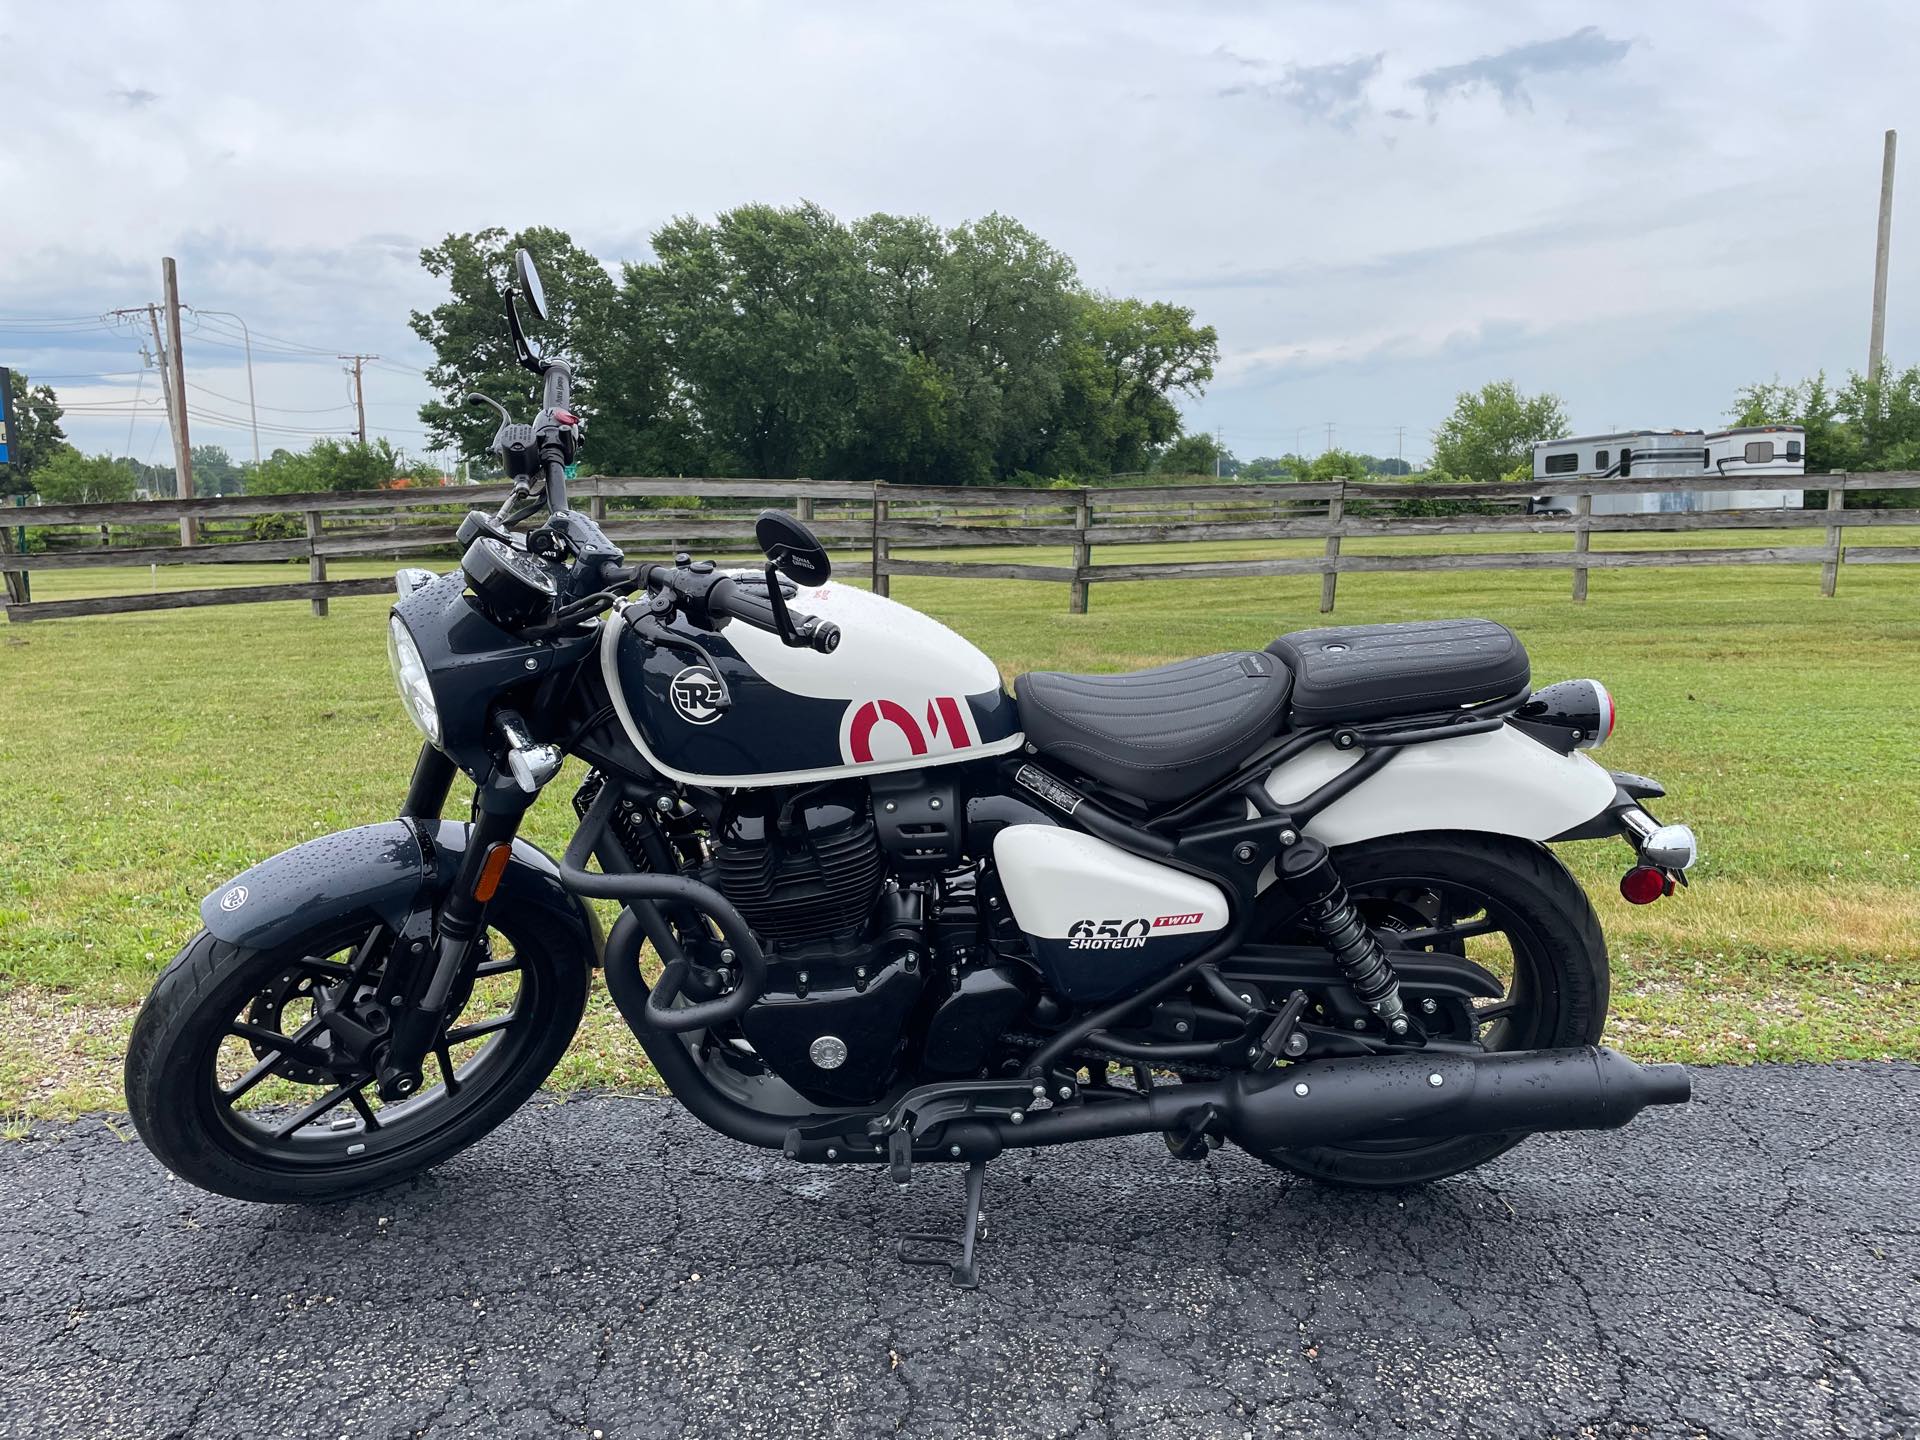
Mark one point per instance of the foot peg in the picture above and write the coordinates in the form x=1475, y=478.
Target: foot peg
x=1278, y=1042
x=965, y=1273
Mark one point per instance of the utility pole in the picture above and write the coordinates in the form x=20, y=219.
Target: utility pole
x=1216, y=452
x=1399, y=442
x=359, y=395
x=1329, y=445
x=182, y=444
x=1877, y=341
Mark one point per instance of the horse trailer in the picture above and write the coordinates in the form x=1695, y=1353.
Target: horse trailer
x=1745, y=451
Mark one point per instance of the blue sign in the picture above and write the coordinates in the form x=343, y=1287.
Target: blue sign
x=6, y=412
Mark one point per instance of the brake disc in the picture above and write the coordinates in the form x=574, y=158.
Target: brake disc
x=303, y=991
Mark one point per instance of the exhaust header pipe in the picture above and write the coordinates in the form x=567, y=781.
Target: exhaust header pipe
x=1393, y=1097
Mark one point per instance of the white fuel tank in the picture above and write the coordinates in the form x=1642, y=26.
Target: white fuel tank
x=901, y=692
x=1100, y=920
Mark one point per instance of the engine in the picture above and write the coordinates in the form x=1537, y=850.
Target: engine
x=846, y=951
x=801, y=866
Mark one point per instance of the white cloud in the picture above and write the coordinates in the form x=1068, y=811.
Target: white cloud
x=1643, y=207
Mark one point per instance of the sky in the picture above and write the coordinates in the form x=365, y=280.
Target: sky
x=1640, y=207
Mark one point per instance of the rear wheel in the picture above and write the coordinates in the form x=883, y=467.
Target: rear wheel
x=238, y=1083
x=1508, y=905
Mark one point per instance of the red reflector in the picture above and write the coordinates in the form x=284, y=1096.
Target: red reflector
x=1643, y=885
x=566, y=417
x=491, y=869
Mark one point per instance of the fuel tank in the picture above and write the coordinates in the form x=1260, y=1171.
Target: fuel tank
x=901, y=692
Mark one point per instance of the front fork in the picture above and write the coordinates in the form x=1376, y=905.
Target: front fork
x=425, y=965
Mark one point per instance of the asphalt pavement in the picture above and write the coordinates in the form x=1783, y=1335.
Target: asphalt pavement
x=1745, y=1266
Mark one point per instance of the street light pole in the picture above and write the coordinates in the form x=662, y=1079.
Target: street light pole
x=246, y=336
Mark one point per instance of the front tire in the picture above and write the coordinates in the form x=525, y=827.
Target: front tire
x=1522, y=915
x=214, y=1103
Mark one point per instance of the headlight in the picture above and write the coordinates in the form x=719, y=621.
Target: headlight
x=410, y=675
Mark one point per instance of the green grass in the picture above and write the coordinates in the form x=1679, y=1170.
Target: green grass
x=148, y=757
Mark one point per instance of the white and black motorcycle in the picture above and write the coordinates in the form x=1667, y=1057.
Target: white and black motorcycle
x=1298, y=898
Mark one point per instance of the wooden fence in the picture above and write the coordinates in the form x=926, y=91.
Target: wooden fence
x=893, y=527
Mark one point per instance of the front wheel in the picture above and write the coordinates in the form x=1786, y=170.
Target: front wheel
x=235, y=1081
x=1508, y=905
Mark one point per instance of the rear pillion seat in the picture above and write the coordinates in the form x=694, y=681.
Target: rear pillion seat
x=1347, y=674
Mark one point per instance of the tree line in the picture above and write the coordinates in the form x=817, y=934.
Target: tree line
x=780, y=341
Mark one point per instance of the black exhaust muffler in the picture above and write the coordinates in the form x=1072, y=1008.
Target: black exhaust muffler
x=1393, y=1097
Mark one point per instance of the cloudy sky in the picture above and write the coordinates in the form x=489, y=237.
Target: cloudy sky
x=1638, y=206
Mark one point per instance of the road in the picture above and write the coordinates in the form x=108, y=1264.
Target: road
x=1747, y=1266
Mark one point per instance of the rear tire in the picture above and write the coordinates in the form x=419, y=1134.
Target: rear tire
x=174, y=1064
x=1558, y=984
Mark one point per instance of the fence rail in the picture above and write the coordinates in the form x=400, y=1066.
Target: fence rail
x=879, y=519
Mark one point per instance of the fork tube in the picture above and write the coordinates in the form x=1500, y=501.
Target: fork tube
x=433, y=776
x=417, y=1022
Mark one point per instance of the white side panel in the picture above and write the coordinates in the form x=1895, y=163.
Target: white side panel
x=1058, y=879
x=1499, y=782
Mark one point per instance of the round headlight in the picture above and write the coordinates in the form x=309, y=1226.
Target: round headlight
x=410, y=675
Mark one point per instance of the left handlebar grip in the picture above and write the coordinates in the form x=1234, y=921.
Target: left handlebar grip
x=556, y=386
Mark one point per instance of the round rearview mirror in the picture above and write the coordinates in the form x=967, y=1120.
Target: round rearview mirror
x=792, y=548
x=529, y=278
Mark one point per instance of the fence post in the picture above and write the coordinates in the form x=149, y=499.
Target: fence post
x=316, y=562
x=1836, y=502
x=597, y=506
x=16, y=580
x=803, y=507
x=1582, y=517
x=1082, y=551
x=879, y=542
x=1329, y=577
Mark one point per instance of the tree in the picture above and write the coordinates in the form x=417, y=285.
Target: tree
x=335, y=465
x=1192, y=455
x=70, y=478
x=472, y=347
x=214, y=472
x=779, y=341
x=1493, y=430
x=1863, y=426
x=1125, y=361
x=36, y=437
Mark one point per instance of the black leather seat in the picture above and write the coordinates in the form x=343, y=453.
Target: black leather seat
x=1158, y=735
x=1349, y=673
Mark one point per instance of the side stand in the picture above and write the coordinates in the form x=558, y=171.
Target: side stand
x=965, y=1273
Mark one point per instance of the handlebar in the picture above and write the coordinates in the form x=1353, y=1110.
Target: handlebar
x=708, y=598
x=728, y=599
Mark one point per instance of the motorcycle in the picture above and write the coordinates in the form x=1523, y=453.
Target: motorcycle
x=1297, y=899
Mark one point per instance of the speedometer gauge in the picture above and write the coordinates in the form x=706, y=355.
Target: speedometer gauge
x=515, y=588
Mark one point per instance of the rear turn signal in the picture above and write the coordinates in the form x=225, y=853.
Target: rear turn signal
x=1644, y=884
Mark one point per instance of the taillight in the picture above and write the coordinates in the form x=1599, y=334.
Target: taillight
x=1644, y=884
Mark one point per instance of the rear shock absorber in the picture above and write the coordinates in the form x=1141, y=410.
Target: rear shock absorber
x=1307, y=873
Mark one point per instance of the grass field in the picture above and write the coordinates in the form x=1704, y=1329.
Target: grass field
x=148, y=757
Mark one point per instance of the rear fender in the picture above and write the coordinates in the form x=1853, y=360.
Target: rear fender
x=384, y=871
x=1498, y=782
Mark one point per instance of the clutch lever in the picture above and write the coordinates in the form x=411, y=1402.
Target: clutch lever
x=648, y=626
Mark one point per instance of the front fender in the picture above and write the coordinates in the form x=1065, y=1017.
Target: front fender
x=383, y=871
x=1498, y=781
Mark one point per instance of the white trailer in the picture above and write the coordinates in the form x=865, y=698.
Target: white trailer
x=1748, y=450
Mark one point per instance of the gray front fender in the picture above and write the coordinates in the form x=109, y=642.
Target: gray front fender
x=382, y=871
